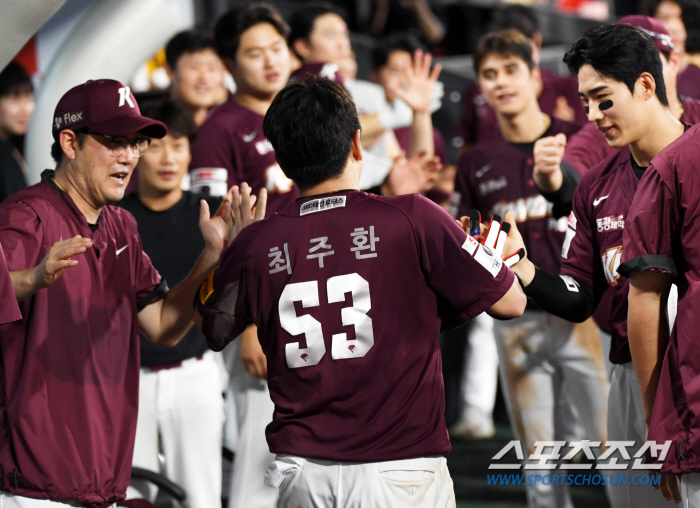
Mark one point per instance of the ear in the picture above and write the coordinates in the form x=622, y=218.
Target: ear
x=69, y=143
x=675, y=61
x=536, y=74
x=356, y=150
x=646, y=86
x=302, y=48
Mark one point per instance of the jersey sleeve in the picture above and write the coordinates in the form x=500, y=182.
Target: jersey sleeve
x=585, y=149
x=467, y=276
x=579, y=252
x=650, y=228
x=22, y=235
x=212, y=148
x=9, y=308
x=223, y=300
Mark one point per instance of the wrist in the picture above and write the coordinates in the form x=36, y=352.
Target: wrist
x=549, y=182
x=525, y=270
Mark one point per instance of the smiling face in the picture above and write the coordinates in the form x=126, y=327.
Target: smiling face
x=164, y=165
x=198, y=79
x=262, y=62
x=623, y=123
x=508, y=84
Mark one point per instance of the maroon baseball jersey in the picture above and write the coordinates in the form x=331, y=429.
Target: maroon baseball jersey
x=70, y=368
x=320, y=69
x=593, y=247
x=688, y=82
x=589, y=147
x=232, y=138
x=479, y=123
x=9, y=310
x=496, y=177
x=661, y=234
x=349, y=292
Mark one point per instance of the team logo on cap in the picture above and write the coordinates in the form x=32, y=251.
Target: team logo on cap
x=57, y=122
x=125, y=96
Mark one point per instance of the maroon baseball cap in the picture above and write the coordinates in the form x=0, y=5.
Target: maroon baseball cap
x=654, y=28
x=104, y=106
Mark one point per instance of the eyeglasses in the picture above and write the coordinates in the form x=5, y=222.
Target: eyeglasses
x=117, y=145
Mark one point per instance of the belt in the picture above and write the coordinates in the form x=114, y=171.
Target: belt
x=174, y=365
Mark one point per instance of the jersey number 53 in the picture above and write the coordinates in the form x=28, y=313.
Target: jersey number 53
x=341, y=347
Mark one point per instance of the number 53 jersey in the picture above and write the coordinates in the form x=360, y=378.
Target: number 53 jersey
x=349, y=292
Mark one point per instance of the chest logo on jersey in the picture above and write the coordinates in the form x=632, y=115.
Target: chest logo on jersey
x=264, y=147
x=320, y=205
x=490, y=186
x=531, y=208
x=610, y=223
x=611, y=262
x=277, y=181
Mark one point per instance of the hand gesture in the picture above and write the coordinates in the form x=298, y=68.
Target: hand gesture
x=254, y=360
x=412, y=175
x=58, y=259
x=223, y=227
x=548, y=154
x=419, y=84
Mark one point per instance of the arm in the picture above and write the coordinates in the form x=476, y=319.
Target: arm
x=57, y=260
x=254, y=360
x=372, y=128
x=419, y=96
x=430, y=26
x=512, y=304
x=648, y=331
x=164, y=322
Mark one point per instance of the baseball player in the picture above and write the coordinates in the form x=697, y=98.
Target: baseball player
x=355, y=378
x=556, y=94
x=251, y=40
x=621, y=82
x=181, y=410
x=560, y=162
x=660, y=247
x=538, y=353
x=70, y=366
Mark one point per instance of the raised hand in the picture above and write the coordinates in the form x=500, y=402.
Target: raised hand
x=419, y=84
x=412, y=175
x=548, y=154
x=58, y=259
x=237, y=210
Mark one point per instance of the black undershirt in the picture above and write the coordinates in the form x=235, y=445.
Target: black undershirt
x=173, y=241
x=638, y=170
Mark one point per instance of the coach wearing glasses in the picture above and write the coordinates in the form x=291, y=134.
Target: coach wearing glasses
x=69, y=369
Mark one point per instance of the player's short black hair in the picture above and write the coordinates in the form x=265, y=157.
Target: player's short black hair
x=519, y=17
x=232, y=24
x=57, y=151
x=14, y=80
x=301, y=21
x=690, y=14
x=505, y=43
x=621, y=52
x=404, y=41
x=176, y=117
x=311, y=124
x=189, y=41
